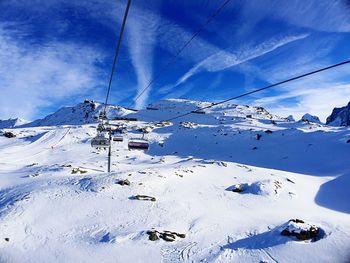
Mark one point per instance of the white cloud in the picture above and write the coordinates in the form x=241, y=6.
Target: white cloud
x=316, y=101
x=34, y=76
x=317, y=94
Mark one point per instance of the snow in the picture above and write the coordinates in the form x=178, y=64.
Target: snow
x=300, y=170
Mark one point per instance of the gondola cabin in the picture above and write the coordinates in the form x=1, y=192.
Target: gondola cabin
x=138, y=144
x=100, y=141
x=118, y=138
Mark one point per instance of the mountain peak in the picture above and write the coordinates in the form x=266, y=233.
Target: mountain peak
x=310, y=118
x=82, y=113
x=11, y=123
x=340, y=116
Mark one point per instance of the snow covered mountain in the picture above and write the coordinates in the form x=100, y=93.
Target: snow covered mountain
x=340, y=116
x=310, y=118
x=11, y=123
x=167, y=109
x=231, y=183
x=83, y=113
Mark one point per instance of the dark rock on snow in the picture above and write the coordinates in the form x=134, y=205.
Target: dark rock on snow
x=340, y=116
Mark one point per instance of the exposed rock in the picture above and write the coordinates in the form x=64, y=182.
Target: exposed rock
x=264, y=188
x=168, y=236
x=123, y=182
x=163, y=124
x=78, y=170
x=339, y=116
x=35, y=175
x=301, y=230
x=144, y=198
x=9, y=134
x=152, y=235
x=188, y=125
x=268, y=131
x=237, y=188
x=258, y=136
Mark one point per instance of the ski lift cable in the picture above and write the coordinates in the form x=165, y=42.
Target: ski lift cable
x=117, y=53
x=185, y=45
x=264, y=88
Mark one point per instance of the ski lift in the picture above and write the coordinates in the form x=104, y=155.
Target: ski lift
x=100, y=141
x=118, y=138
x=138, y=144
x=100, y=127
x=102, y=115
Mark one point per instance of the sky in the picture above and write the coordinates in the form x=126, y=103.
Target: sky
x=56, y=53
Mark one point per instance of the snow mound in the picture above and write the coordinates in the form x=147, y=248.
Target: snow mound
x=340, y=116
x=265, y=188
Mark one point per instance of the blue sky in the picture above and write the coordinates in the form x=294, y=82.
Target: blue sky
x=55, y=53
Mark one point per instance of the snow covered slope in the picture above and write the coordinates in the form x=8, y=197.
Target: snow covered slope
x=340, y=116
x=10, y=123
x=57, y=204
x=86, y=112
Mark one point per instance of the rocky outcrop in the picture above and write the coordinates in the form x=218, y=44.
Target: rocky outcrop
x=340, y=116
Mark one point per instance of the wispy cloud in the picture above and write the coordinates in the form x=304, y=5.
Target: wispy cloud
x=142, y=32
x=223, y=59
x=35, y=76
x=327, y=16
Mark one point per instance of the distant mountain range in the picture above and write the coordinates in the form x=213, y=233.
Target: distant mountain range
x=88, y=112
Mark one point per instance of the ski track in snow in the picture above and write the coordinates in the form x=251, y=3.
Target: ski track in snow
x=298, y=170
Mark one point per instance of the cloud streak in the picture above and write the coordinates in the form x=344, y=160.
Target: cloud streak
x=223, y=59
x=142, y=32
x=33, y=77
